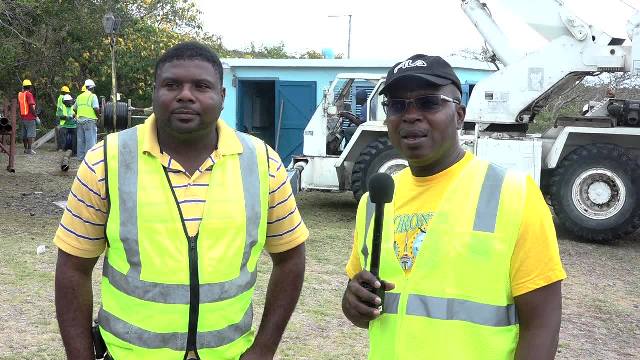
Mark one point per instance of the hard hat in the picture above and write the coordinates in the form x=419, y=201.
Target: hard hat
x=67, y=97
x=84, y=88
x=26, y=82
x=89, y=83
x=65, y=89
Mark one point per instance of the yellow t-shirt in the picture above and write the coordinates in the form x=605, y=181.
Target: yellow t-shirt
x=535, y=261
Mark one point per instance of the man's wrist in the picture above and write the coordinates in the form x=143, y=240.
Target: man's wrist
x=264, y=347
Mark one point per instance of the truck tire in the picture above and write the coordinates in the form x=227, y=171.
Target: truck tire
x=378, y=156
x=595, y=193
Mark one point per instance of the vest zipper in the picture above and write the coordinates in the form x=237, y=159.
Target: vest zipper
x=194, y=295
x=194, y=278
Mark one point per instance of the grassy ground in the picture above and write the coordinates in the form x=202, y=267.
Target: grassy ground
x=601, y=317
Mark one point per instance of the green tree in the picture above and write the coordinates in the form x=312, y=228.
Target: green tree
x=62, y=42
x=277, y=51
x=311, y=54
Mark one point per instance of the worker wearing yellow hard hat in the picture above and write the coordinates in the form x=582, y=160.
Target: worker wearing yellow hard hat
x=60, y=112
x=29, y=119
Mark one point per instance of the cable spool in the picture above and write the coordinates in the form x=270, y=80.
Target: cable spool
x=122, y=115
x=5, y=125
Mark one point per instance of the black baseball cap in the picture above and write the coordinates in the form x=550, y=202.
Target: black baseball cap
x=434, y=69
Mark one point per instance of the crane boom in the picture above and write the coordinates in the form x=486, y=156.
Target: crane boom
x=575, y=49
x=480, y=16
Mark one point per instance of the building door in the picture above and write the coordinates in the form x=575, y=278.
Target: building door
x=294, y=106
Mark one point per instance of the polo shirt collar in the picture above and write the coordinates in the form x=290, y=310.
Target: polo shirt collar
x=228, y=142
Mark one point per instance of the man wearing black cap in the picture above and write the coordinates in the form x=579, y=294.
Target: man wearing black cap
x=469, y=253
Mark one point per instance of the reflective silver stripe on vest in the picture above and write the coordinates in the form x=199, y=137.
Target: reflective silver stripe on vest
x=463, y=310
x=178, y=293
x=217, y=338
x=131, y=283
x=174, y=340
x=371, y=209
x=391, y=301
x=251, y=188
x=128, y=198
x=487, y=209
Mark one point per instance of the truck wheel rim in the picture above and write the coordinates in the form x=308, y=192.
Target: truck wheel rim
x=598, y=193
x=393, y=166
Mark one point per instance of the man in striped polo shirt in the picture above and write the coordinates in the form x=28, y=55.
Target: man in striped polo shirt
x=186, y=139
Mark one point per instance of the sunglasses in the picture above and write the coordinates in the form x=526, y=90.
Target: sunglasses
x=427, y=103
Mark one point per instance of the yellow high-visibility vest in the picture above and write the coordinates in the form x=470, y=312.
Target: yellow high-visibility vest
x=163, y=292
x=61, y=109
x=84, y=104
x=456, y=303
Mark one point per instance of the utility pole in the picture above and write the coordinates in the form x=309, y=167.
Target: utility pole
x=349, y=41
x=114, y=85
x=349, y=33
x=111, y=26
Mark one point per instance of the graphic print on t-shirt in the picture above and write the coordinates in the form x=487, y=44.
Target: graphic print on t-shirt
x=410, y=231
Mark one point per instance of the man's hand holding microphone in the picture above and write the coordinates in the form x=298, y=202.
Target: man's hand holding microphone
x=364, y=297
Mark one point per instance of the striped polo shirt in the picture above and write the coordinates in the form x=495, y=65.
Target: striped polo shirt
x=82, y=229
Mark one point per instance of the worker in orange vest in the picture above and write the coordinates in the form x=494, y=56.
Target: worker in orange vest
x=28, y=115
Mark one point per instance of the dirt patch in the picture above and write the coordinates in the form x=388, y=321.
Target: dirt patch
x=601, y=300
x=601, y=313
x=36, y=184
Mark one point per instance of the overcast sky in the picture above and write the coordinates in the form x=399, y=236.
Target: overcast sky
x=384, y=29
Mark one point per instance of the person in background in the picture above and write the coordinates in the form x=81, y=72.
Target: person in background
x=68, y=130
x=61, y=137
x=70, y=124
x=352, y=121
x=29, y=119
x=87, y=111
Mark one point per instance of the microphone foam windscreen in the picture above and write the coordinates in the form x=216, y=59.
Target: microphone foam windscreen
x=381, y=188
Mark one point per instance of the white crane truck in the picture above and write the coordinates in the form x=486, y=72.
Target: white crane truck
x=587, y=166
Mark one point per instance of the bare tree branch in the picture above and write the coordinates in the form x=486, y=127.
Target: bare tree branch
x=20, y=35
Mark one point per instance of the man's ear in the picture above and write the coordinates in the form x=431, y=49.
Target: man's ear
x=461, y=112
x=223, y=95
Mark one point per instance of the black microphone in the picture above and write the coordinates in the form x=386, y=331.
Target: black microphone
x=381, y=188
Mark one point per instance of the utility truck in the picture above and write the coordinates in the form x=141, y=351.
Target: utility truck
x=587, y=166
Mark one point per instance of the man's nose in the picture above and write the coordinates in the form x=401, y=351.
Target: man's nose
x=185, y=94
x=411, y=113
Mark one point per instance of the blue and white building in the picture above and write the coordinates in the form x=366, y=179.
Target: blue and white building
x=264, y=92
